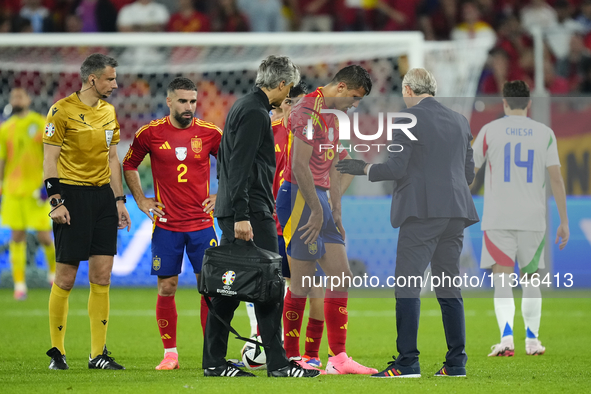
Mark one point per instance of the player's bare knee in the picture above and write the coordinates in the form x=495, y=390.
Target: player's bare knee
x=102, y=278
x=167, y=286
x=64, y=281
x=65, y=274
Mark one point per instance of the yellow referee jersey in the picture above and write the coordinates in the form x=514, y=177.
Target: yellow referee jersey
x=21, y=148
x=85, y=135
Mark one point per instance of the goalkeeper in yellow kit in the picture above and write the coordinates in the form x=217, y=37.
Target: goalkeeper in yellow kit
x=21, y=180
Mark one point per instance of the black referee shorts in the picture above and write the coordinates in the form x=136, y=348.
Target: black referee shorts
x=93, y=224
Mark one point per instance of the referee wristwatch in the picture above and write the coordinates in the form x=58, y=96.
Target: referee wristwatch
x=121, y=198
x=54, y=202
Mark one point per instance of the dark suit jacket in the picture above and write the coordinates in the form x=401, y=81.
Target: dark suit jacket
x=432, y=174
x=246, y=159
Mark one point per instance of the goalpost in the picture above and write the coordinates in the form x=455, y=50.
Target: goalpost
x=224, y=65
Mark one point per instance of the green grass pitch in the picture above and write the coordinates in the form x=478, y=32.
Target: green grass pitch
x=134, y=340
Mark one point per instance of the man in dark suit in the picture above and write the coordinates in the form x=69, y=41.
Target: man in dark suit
x=244, y=209
x=432, y=205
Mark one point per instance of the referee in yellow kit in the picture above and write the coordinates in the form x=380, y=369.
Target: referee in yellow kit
x=83, y=182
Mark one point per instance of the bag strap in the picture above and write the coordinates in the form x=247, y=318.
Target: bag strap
x=228, y=326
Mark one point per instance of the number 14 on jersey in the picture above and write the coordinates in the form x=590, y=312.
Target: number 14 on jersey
x=527, y=164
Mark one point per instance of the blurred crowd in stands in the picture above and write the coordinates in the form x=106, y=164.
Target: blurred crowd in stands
x=504, y=25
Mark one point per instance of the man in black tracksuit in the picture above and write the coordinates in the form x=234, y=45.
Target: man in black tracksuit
x=244, y=208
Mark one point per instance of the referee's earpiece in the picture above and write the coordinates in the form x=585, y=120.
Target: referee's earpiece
x=93, y=82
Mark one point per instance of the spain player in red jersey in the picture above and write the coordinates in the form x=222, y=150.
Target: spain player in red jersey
x=179, y=146
x=283, y=140
x=312, y=233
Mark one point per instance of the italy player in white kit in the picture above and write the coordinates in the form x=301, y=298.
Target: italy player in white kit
x=517, y=151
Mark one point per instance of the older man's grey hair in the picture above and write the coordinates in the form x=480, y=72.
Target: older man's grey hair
x=275, y=69
x=420, y=81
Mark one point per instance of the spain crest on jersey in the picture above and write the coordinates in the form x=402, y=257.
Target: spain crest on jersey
x=181, y=153
x=313, y=247
x=109, y=136
x=196, y=145
x=156, y=263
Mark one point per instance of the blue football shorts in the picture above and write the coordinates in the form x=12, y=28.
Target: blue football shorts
x=293, y=213
x=168, y=249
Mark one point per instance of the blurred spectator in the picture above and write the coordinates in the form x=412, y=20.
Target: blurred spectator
x=400, y=14
x=291, y=11
x=172, y=6
x=96, y=15
x=119, y=4
x=437, y=20
x=498, y=72
x=228, y=18
x=585, y=86
x=317, y=15
x=574, y=66
x=358, y=15
x=490, y=11
x=538, y=14
x=585, y=16
x=513, y=40
x=143, y=16
x=263, y=15
x=188, y=19
x=5, y=25
x=73, y=24
x=555, y=84
x=472, y=28
x=34, y=11
x=559, y=36
x=20, y=25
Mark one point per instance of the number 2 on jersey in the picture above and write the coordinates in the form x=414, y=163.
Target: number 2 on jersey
x=183, y=170
x=528, y=164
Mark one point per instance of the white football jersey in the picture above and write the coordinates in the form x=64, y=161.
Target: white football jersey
x=517, y=151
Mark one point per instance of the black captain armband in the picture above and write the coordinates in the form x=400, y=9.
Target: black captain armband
x=53, y=186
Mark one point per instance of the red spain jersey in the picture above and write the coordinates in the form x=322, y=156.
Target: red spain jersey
x=281, y=136
x=180, y=168
x=325, y=132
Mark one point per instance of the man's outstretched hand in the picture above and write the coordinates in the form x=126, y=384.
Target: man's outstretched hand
x=353, y=167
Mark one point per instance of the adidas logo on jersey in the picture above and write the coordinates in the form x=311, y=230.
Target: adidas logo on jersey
x=165, y=146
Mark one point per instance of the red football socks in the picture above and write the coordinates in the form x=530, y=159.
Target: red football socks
x=335, y=313
x=293, y=314
x=167, y=318
x=203, y=313
x=313, y=337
